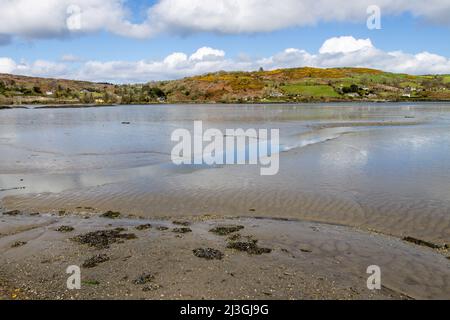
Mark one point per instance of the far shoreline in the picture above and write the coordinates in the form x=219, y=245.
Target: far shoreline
x=87, y=106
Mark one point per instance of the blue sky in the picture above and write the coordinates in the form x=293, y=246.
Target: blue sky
x=406, y=30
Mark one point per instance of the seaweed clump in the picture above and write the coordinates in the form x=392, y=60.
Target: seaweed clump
x=208, y=254
x=65, y=229
x=95, y=261
x=144, y=279
x=251, y=247
x=104, y=238
x=182, y=230
x=423, y=243
x=12, y=213
x=226, y=230
x=111, y=215
x=143, y=227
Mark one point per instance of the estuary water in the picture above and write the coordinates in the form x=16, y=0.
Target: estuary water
x=383, y=167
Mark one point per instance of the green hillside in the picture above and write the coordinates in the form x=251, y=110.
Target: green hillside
x=284, y=85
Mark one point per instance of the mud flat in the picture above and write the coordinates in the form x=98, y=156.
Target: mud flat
x=219, y=258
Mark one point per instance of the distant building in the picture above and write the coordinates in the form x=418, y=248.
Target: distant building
x=49, y=93
x=276, y=94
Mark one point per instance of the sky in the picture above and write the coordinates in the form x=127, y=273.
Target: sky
x=129, y=41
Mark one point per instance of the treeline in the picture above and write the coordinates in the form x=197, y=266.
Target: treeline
x=13, y=92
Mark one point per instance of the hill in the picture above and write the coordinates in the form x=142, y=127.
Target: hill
x=284, y=85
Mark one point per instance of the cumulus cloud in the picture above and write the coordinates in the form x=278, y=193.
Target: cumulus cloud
x=237, y=16
x=7, y=65
x=39, y=68
x=345, y=45
x=335, y=52
x=59, y=18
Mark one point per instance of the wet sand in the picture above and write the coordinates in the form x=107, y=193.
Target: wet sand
x=306, y=261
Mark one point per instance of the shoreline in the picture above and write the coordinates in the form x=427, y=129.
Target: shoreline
x=291, y=260
x=87, y=106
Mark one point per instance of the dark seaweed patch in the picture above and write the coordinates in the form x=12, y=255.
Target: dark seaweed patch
x=111, y=215
x=251, y=247
x=12, y=213
x=144, y=279
x=182, y=223
x=422, y=243
x=104, y=238
x=143, y=227
x=182, y=230
x=226, y=230
x=208, y=254
x=65, y=229
x=95, y=261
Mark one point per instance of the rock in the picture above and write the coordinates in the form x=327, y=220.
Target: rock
x=162, y=228
x=208, y=254
x=250, y=247
x=104, y=238
x=65, y=229
x=226, y=230
x=182, y=230
x=95, y=261
x=144, y=279
x=144, y=227
x=111, y=215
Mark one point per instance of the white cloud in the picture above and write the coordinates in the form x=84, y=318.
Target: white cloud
x=7, y=65
x=48, y=18
x=345, y=45
x=237, y=16
x=334, y=53
x=52, y=18
x=39, y=68
x=206, y=53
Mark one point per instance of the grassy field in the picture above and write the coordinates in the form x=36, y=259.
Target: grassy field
x=315, y=91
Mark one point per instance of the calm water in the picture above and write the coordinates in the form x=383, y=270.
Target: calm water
x=382, y=166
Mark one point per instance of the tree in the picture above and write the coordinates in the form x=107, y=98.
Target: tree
x=88, y=98
x=352, y=89
x=37, y=90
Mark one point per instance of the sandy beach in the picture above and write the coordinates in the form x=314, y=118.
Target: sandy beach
x=157, y=259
